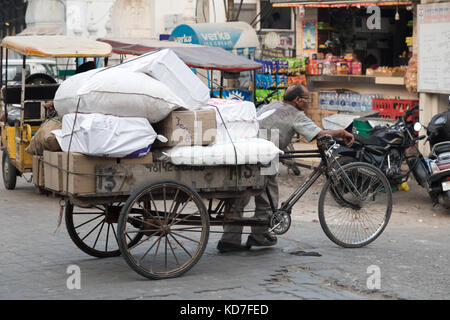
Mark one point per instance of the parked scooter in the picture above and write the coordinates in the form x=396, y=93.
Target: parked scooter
x=438, y=132
x=389, y=147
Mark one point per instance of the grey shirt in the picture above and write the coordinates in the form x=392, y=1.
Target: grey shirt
x=288, y=120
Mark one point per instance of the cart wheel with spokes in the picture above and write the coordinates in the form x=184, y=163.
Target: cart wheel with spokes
x=355, y=205
x=93, y=229
x=175, y=223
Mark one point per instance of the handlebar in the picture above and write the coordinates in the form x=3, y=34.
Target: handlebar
x=409, y=112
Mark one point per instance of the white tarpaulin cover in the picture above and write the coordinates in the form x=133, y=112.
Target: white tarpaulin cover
x=248, y=151
x=106, y=136
x=166, y=67
x=118, y=92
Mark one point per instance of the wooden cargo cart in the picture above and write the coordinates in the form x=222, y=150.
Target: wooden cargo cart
x=158, y=215
x=133, y=204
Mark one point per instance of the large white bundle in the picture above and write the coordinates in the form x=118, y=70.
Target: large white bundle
x=106, y=136
x=66, y=99
x=248, y=151
x=175, y=74
x=240, y=119
x=118, y=92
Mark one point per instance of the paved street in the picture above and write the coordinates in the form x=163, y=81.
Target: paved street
x=412, y=256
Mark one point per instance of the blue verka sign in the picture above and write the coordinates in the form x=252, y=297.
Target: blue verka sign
x=229, y=36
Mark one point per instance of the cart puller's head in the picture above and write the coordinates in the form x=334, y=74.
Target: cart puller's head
x=297, y=96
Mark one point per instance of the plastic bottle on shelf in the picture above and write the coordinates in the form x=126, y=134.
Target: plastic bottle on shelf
x=321, y=100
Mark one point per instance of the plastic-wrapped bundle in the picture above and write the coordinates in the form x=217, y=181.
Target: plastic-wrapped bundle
x=245, y=151
x=240, y=119
x=106, y=136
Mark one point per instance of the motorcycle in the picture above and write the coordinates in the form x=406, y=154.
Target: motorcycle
x=389, y=147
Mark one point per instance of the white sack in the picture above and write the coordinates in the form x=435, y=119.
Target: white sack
x=106, y=136
x=249, y=151
x=166, y=67
x=240, y=119
x=117, y=92
x=66, y=99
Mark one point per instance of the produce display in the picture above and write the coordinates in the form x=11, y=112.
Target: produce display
x=387, y=71
x=411, y=75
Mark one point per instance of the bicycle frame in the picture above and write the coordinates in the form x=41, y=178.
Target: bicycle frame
x=310, y=180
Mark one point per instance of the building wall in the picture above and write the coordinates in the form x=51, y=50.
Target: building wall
x=430, y=103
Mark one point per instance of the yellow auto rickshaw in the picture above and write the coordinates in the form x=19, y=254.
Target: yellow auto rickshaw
x=31, y=93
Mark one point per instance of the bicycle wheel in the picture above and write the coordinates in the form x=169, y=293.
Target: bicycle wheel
x=175, y=222
x=355, y=205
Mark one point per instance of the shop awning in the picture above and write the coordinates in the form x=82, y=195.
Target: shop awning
x=194, y=56
x=336, y=3
x=56, y=46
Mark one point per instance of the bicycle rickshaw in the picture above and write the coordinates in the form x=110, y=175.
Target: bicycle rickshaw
x=31, y=94
x=158, y=216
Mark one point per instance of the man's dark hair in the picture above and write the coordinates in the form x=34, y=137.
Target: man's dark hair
x=293, y=92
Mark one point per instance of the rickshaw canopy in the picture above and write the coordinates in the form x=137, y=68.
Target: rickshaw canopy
x=195, y=56
x=57, y=46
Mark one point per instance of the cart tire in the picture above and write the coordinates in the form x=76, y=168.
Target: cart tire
x=351, y=218
x=175, y=222
x=9, y=172
x=95, y=229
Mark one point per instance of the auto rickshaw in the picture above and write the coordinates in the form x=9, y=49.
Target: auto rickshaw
x=31, y=95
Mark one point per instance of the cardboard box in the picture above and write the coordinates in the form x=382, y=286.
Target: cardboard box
x=314, y=104
x=38, y=171
x=82, y=170
x=187, y=128
x=52, y=168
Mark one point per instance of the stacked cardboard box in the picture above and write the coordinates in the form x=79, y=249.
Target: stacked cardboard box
x=82, y=171
x=38, y=171
x=187, y=128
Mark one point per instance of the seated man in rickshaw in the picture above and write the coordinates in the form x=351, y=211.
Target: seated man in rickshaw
x=288, y=119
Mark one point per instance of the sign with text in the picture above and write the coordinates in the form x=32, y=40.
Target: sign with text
x=434, y=48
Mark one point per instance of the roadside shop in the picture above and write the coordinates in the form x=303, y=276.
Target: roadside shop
x=357, y=55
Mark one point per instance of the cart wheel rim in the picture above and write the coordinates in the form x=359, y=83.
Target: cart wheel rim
x=175, y=223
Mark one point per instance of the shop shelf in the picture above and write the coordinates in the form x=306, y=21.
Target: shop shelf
x=395, y=108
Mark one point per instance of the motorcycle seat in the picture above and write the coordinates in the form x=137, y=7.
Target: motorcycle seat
x=441, y=148
x=367, y=141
